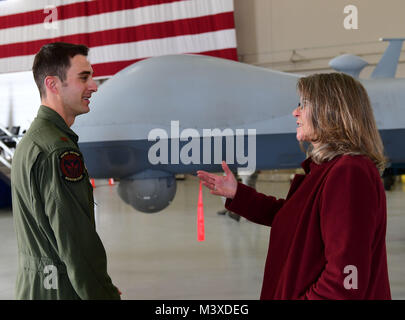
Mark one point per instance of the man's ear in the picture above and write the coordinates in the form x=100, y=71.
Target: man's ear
x=51, y=84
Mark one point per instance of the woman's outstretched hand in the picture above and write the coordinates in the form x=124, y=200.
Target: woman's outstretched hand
x=220, y=185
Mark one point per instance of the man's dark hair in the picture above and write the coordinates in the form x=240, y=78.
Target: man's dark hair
x=53, y=59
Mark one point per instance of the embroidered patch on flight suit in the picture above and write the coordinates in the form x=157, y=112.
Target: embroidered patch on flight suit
x=72, y=166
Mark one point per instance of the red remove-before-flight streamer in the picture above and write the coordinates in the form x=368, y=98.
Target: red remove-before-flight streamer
x=200, y=216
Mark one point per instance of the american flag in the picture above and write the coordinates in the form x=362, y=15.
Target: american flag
x=118, y=32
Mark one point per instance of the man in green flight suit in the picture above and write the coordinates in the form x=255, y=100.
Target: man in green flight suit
x=60, y=255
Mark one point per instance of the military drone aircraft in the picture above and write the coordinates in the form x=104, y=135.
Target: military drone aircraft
x=181, y=113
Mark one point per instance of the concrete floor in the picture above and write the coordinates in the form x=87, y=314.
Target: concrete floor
x=157, y=256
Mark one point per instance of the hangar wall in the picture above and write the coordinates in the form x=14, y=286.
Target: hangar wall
x=301, y=36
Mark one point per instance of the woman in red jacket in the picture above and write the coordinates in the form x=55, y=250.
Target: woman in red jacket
x=327, y=239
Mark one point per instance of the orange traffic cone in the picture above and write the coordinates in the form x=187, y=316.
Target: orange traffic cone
x=200, y=216
x=111, y=182
x=93, y=183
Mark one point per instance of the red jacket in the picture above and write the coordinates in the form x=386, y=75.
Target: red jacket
x=327, y=239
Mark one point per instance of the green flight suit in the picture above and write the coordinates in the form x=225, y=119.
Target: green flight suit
x=60, y=255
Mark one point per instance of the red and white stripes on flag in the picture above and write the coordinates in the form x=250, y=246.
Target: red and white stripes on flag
x=118, y=32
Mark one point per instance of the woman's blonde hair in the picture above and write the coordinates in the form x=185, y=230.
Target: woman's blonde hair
x=342, y=118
